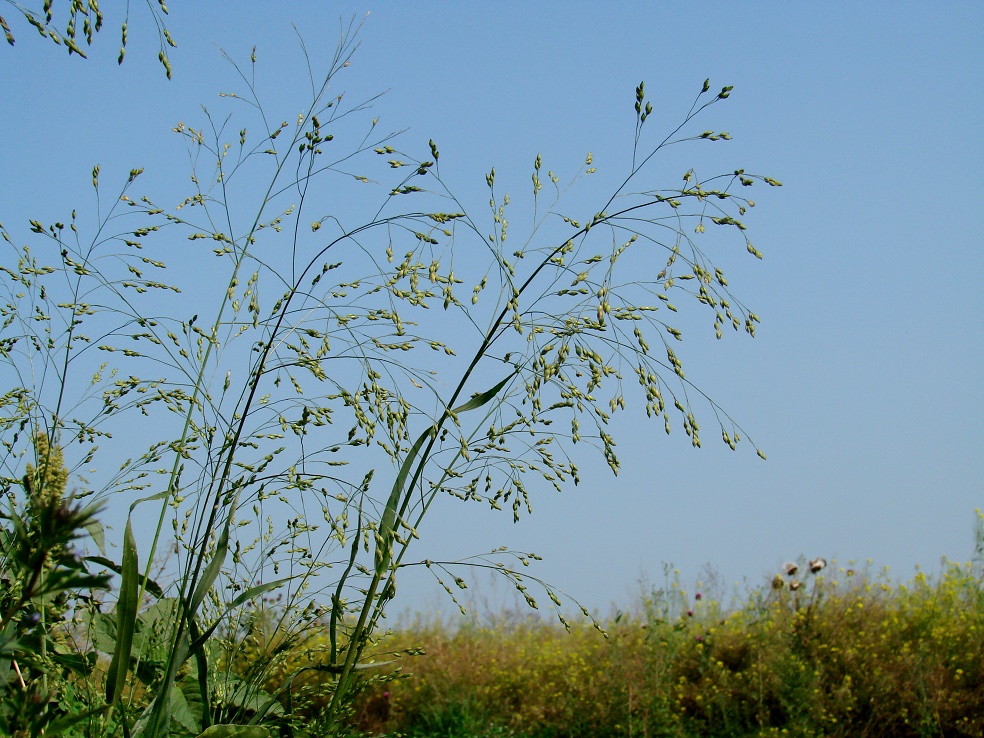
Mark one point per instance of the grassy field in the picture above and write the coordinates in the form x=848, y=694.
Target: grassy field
x=817, y=652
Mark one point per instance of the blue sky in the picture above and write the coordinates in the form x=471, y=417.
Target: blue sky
x=864, y=383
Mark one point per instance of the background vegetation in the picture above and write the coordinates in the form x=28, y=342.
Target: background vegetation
x=843, y=652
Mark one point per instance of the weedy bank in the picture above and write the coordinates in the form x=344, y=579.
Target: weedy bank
x=835, y=652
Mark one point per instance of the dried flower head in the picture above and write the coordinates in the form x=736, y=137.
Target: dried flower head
x=795, y=584
x=778, y=582
x=791, y=568
x=817, y=564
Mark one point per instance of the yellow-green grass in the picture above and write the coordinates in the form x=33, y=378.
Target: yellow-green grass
x=843, y=654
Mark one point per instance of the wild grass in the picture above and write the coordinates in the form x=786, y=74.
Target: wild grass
x=846, y=653
x=274, y=433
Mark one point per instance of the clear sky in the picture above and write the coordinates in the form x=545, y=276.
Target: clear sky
x=864, y=383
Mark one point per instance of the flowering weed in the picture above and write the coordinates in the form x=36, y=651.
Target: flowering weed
x=842, y=653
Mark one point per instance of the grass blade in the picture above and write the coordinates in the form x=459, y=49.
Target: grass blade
x=387, y=524
x=249, y=594
x=482, y=398
x=153, y=587
x=214, y=568
x=126, y=617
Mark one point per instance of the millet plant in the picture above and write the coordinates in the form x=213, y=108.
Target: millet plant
x=311, y=409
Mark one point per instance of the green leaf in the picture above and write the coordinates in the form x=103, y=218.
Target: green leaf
x=80, y=664
x=235, y=731
x=126, y=616
x=155, y=721
x=246, y=596
x=151, y=498
x=336, y=669
x=246, y=696
x=211, y=572
x=481, y=399
x=387, y=523
x=95, y=530
x=62, y=724
x=186, y=705
x=153, y=587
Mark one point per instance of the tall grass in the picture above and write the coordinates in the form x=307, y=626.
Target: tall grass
x=847, y=653
x=306, y=406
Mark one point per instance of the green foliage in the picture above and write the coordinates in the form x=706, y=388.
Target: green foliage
x=235, y=731
x=306, y=426
x=842, y=654
x=43, y=577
